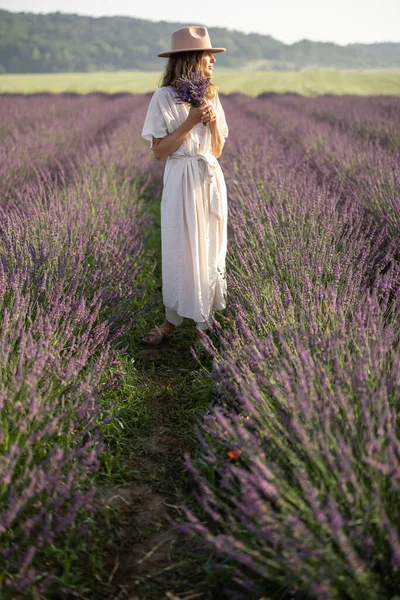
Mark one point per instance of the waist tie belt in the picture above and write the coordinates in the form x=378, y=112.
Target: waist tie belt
x=209, y=163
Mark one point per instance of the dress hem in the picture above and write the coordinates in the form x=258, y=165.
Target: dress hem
x=187, y=316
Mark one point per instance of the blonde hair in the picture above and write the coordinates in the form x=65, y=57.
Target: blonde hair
x=181, y=64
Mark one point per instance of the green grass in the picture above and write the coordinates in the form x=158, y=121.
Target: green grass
x=311, y=82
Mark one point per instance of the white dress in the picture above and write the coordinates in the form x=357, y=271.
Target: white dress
x=194, y=211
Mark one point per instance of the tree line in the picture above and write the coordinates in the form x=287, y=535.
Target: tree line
x=59, y=42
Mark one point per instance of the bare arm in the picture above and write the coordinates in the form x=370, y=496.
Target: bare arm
x=217, y=141
x=163, y=147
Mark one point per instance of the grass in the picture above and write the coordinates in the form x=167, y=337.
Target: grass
x=308, y=82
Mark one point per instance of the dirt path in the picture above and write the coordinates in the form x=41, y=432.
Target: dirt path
x=148, y=558
x=155, y=561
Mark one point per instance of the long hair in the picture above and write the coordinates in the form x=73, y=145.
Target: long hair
x=181, y=64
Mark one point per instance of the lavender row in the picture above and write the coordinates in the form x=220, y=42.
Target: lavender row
x=69, y=277
x=363, y=171
x=29, y=113
x=299, y=469
x=356, y=115
x=27, y=156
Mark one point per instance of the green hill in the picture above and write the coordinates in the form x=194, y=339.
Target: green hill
x=59, y=42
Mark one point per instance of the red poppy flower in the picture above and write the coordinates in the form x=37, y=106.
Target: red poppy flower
x=234, y=454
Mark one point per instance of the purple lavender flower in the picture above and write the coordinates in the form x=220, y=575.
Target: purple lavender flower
x=65, y=299
x=192, y=90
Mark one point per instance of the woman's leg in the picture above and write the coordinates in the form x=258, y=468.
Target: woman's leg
x=157, y=334
x=173, y=317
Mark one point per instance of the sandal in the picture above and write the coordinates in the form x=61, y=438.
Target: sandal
x=155, y=336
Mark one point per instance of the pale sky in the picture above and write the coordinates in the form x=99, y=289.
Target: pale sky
x=340, y=21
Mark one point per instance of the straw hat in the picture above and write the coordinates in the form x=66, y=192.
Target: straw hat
x=190, y=38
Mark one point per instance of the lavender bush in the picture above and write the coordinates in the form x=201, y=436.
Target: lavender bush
x=299, y=469
x=364, y=171
x=376, y=119
x=70, y=266
x=54, y=146
x=30, y=113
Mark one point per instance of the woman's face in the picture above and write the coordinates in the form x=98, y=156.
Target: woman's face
x=207, y=62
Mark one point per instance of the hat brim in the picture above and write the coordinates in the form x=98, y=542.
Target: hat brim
x=214, y=50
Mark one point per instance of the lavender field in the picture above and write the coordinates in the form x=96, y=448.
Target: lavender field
x=292, y=485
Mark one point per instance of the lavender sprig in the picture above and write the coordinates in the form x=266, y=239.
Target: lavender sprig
x=192, y=90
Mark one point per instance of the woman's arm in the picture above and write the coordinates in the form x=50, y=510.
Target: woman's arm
x=163, y=147
x=217, y=141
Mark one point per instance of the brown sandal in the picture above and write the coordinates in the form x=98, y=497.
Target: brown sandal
x=156, y=335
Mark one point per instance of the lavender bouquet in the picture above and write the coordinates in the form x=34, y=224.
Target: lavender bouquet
x=192, y=90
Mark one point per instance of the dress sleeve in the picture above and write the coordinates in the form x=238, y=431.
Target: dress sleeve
x=221, y=121
x=154, y=123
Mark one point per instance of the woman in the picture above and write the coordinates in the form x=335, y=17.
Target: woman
x=194, y=199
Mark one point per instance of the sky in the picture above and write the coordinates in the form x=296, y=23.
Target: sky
x=340, y=21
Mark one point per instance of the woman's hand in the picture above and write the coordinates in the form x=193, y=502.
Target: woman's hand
x=210, y=116
x=163, y=147
x=202, y=114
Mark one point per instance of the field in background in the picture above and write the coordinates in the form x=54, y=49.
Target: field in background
x=306, y=82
